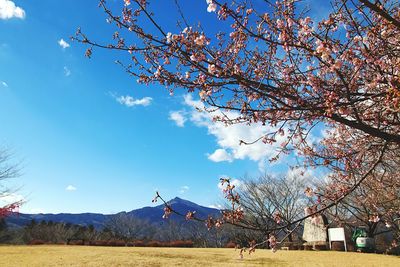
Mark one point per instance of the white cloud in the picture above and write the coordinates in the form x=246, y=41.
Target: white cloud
x=228, y=137
x=130, y=101
x=219, y=155
x=9, y=10
x=218, y=206
x=67, y=71
x=70, y=188
x=178, y=118
x=62, y=43
x=300, y=174
x=4, y=84
x=184, y=189
x=9, y=198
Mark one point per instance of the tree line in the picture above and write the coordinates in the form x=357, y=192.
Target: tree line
x=119, y=230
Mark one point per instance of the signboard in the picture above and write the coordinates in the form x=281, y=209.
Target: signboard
x=336, y=234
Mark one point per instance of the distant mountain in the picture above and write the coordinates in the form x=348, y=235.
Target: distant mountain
x=154, y=214
x=85, y=219
x=98, y=220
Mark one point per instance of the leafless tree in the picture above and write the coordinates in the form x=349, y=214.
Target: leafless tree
x=126, y=227
x=8, y=170
x=271, y=201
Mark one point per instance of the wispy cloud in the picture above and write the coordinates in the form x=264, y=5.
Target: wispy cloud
x=9, y=198
x=9, y=10
x=70, y=188
x=62, y=43
x=178, y=118
x=218, y=206
x=184, y=189
x=67, y=71
x=4, y=84
x=129, y=101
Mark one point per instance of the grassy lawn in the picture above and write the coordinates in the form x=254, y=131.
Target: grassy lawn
x=124, y=256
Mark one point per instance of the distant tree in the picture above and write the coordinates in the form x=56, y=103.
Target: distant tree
x=3, y=229
x=59, y=232
x=3, y=224
x=8, y=170
x=272, y=201
x=91, y=228
x=169, y=231
x=198, y=234
x=32, y=223
x=9, y=235
x=126, y=227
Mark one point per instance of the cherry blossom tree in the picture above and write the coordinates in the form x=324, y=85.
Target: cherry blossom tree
x=374, y=204
x=275, y=65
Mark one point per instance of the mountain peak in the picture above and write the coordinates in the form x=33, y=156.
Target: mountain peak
x=178, y=200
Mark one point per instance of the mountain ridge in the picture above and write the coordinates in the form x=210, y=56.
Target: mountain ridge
x=98, y=220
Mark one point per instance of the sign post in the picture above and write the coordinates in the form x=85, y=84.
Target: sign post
x=336, y=234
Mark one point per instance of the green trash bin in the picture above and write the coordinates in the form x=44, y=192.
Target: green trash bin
x=362, y=241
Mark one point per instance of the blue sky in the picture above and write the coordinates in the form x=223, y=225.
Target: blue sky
x=89, y=137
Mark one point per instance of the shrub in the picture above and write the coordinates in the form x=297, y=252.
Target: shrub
x=76, y=242
x=139, y=243
x=230, y=245
x=111, y=243
x=99, y=243
x=120, y=243
x=37, y=242
x=181, y=243
x=154, y=243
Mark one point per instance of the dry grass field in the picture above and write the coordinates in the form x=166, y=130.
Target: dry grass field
x=125, y=256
